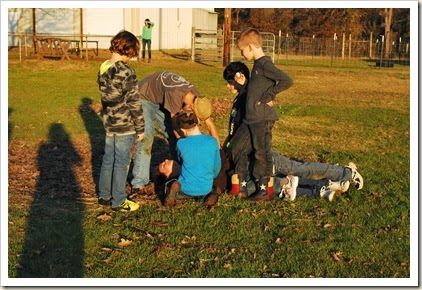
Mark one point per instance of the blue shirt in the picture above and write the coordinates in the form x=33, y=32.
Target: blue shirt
x=201, y=163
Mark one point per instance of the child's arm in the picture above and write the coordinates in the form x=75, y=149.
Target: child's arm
x=133, y=101
x=281, y=79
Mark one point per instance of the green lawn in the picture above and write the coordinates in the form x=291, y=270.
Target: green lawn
x=334, y=115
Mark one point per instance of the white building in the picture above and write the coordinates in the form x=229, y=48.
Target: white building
x=172, y=26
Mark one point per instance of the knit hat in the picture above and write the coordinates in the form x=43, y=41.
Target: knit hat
x=187, y=119
x=202, y=108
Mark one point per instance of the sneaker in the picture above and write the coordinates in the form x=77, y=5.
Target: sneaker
x=289, y=189
x=327, y=193
x=340, y=186
x=357, y=179
x=126, y=206
x=104, y=202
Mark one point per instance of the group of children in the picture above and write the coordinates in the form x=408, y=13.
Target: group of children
x=244, y=164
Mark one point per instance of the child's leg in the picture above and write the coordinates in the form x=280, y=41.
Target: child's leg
x=123, y=145
x=106, y=174
x=310, y=170
x=261, y=134
x=142, y=161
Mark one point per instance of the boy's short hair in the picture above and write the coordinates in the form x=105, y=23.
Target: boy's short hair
x=234, y=67
x=125, y=43
x=249, y=36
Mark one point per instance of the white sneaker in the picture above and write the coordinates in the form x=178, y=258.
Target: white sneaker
x=340, y=186
x=357, y=179
x=289, y=189
x=327, y=193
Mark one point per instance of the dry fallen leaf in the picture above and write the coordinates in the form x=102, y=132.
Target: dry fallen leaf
x=336, y=256
x=278, y=241
x=124, y=243
x=104, y=217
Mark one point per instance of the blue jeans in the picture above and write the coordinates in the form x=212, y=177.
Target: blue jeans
x=115, y=167
x=142, y=162
x=310, y=170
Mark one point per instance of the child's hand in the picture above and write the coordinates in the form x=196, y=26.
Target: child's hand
x=270, y=103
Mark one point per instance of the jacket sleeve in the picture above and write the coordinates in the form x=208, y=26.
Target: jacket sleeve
x=133, y=102
x=281, y=82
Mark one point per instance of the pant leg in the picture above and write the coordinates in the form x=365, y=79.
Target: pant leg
x=261, y=134
x=310, y=170
x=142, y=162
x=106, y=173
x=149, y=48
x=144, y=43
x=241, y=147
x=122, y=158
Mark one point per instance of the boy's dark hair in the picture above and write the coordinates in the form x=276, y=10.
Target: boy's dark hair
x=125, y=43
x=249, y=36
x=233, y=68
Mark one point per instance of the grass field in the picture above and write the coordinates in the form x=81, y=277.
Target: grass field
x=334, y=115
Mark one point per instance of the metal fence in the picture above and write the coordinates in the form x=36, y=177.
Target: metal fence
x=208, y=46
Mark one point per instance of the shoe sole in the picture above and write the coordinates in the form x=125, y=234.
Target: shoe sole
x=295, y=183
x=357, y=178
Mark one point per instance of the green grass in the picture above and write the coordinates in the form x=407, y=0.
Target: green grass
x=335, y=115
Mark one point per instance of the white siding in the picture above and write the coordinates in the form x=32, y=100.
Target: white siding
x=176, y=28
x=102, y=21
x=205, y=19
x=172, y=26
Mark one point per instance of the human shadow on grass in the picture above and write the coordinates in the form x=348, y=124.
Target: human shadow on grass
x=9, y=124
x=94, y=127
x=54, y=240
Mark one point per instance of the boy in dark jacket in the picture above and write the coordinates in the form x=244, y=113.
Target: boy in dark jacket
x=265, y=83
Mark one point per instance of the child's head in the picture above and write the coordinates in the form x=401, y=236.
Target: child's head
x=237, y=76
x=249, y=36
x=248, y=41
x=147, y=22
x=231, y=71
x=125, y=43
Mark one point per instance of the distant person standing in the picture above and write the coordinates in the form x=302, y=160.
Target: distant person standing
x=146, y=38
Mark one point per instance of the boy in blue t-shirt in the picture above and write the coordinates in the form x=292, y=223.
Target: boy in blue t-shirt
x=199, y=155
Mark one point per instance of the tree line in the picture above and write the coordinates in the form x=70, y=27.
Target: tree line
x=322, y=22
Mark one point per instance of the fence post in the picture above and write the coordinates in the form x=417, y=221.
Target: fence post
x=313, y=48
x=193, y=44
x=279, y=46
x=343, y=44
x=370, y=45
x=334, y=48
x=350, y=46
x=287, y=44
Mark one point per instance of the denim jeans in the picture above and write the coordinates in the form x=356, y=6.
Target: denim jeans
x=261, y=134
x=310, y=170
x=142, y=162
x=115, y=167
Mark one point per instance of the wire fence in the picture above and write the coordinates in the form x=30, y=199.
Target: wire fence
x=207, y=46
